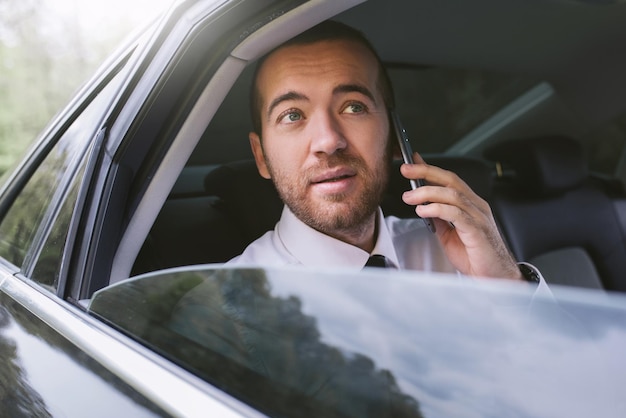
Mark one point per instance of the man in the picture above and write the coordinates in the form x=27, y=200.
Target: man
x=320, y=107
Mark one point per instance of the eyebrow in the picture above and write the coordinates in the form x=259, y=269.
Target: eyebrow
x=292, y=95
x=354, y=88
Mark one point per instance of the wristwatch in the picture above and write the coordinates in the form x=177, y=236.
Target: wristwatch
x=530, y=274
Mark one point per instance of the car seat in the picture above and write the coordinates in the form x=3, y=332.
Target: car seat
x=555, y=215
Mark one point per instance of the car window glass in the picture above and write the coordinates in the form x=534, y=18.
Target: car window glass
x=228, y=328
x=320, y=344
x=438, y=106
x=23, y=219
x=441, y=105
x=46, y=271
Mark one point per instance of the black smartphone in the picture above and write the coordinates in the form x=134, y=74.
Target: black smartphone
x=407, y=156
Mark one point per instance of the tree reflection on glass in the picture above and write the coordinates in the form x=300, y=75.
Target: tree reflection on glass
x=226, y=326
x=17, y=397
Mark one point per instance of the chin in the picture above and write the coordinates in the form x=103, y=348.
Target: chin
x=344, y=215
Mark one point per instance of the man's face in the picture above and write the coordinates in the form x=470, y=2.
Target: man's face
x=324, y=140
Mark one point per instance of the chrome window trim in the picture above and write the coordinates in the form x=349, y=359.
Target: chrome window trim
x=173, y=389
x=52, y=212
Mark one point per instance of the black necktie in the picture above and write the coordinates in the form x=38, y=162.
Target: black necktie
x=376, y=260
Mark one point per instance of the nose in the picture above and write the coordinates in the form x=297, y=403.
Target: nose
x=326, y=134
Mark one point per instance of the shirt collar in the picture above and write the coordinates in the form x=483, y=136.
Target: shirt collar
x=313, y=248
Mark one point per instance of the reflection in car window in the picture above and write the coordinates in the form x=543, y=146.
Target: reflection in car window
x=441, y=105
x=33, y=204
x=34, y=355
x=230, y=329
x=299, y=342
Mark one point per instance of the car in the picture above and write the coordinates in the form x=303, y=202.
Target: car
x=115, y=299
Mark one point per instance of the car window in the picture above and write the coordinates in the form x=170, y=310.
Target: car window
x=229, y=328
x=47, y=267
x=439, y=106
x=298, y=342
x=38, y=202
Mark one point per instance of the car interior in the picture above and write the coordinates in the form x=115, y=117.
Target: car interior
x=531, y=96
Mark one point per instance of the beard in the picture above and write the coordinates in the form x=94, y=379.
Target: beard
x=339, y=213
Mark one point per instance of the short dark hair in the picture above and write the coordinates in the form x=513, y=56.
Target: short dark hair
x=326, y=31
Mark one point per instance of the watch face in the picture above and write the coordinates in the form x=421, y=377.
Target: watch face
x=529, y=273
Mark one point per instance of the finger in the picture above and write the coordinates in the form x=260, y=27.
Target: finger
x=447, y=203
x=455, y=192
x=452, y=214
x=433, y=175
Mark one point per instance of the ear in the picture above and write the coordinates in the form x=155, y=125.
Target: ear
x=259, y=155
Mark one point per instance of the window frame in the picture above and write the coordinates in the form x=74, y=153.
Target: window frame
x=137, y=150
x=42, y=148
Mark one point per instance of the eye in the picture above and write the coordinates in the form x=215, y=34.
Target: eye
x=290, y=116
x=355, y=107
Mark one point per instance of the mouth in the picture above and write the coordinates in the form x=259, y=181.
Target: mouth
x=333, y=179
x=334, y=176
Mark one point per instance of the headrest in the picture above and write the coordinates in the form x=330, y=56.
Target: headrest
x=543, y=165
x=249, y=198
x=476, y=173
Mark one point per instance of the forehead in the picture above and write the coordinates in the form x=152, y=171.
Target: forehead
x=296, y=67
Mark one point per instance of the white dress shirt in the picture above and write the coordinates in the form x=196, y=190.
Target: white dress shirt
x=406, y=243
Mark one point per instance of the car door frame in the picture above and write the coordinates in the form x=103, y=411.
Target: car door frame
x=166, y=86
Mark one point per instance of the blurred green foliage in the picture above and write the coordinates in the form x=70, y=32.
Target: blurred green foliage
x=44, y=58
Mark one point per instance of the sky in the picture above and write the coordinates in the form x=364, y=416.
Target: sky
x=102, y=19
x=95, y=21
x=110, y=10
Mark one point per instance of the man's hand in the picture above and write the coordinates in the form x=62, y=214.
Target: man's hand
x=465, y=224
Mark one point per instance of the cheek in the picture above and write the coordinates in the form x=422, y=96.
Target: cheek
x=375, y=144
x=278, y=150
x=283, y=161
